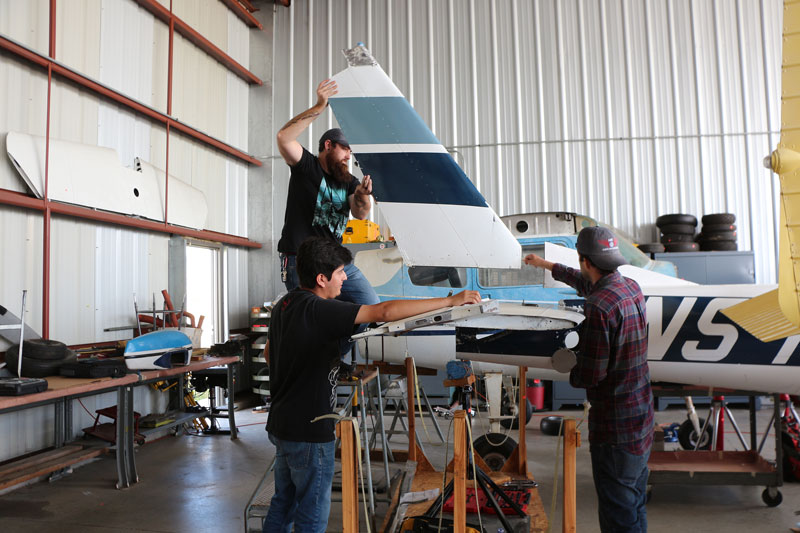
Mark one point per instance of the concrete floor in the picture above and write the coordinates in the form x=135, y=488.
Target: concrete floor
x=201, y=484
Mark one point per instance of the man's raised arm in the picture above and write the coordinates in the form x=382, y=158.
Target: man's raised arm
x=290, y=149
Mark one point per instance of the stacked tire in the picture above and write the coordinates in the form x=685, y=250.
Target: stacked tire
x=718, y=233
x=678, y=232
x=40, y=358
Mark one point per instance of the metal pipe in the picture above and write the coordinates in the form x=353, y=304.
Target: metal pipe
x=500, y=200
x=431, y=68
x=451, y=59
x=46, y=222
x=568, y=195
x=676, y=116
x=473, y=54
x=522, y=200
x=609, y=109
x=587, y=168
x=543, y=182
x=745, y=117
x=410, y=51
x=698, y=118
x=609, y=139
x=654, y=167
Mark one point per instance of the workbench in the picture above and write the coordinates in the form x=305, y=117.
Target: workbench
x=62, y=390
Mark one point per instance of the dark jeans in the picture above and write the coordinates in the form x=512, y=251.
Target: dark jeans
x=620, y=479
x=355, y=289
x=303, y=478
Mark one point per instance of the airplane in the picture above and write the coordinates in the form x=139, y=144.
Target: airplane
x=448, y=238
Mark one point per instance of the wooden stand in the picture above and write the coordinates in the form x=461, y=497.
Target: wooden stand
x=426, y=477
x=572, y=440
x=346, y=432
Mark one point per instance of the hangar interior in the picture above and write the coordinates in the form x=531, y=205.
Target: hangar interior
x=142, y=158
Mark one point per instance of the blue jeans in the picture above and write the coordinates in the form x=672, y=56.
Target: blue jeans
x=303, y=478
x=620, y=479
x=356, y=289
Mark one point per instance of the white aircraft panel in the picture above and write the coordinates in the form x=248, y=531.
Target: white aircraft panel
x=451, y=235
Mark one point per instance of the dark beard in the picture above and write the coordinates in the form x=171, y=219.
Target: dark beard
x=339, y=171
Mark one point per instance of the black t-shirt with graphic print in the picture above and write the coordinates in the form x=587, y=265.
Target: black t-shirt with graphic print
x=304, y=334
x=316, y=204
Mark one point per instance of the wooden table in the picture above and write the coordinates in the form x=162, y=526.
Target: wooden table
x=61, y=390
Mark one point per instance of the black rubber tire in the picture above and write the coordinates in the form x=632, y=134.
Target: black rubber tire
x=44, y=349
x=717, y=236
x=712, y=228
x=769, y=500
x=718, y=246
x=676, y=237
x=688, y=438
x=494, y=456
x=36, y=368
x=719, y=218
x=514, y=424
x=685, y=229
x=676, y=218
x=551, y=425
x=682, y=247
x=651, y=248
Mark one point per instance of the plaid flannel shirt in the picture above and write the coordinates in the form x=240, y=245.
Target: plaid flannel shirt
x=612, y=360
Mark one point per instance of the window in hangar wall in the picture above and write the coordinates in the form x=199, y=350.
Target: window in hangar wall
x=205, y=289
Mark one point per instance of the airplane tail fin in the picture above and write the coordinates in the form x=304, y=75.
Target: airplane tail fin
x=436, y=213
x=776, y=315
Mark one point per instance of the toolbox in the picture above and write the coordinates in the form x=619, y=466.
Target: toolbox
x=94, y=367
x=21, y=386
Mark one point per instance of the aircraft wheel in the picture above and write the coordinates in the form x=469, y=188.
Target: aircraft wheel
x=506, y=409
x=495, y=449
x=688, y=437
x=772, y=496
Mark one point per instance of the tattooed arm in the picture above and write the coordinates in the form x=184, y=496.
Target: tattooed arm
x=290, y=149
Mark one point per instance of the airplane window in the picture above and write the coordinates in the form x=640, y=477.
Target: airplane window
x=505, y=277
x=438, y=276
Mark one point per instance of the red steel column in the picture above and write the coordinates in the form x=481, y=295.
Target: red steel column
x=46, y=221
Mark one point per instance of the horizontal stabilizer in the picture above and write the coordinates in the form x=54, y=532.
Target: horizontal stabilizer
x=762, y=317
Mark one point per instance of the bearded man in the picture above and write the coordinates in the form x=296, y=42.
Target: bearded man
x=322, y=195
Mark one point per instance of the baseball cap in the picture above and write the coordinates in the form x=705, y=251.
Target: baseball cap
x=335, y=135
x=601, y=246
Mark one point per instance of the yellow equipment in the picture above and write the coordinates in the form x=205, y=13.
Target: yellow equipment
x=359, y=231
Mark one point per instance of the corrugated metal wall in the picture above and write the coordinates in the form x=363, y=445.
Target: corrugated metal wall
x=96, y=269
x=619, y=109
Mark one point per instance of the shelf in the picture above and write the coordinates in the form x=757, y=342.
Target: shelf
x=262, y=314
x=263, y=329
x=259, y=360
x=259, y=346
x=262, y=392
x=260, y=378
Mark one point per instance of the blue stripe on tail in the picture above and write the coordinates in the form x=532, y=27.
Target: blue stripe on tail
x=418, y=178
x=381, y=120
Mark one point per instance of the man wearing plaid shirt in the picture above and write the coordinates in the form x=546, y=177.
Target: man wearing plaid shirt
x=612, y=367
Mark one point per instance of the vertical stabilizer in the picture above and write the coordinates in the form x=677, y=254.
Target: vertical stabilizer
x=435, y=212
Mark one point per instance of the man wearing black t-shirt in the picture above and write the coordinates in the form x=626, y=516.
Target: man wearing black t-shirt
x=305, y=329
x=322, y=195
